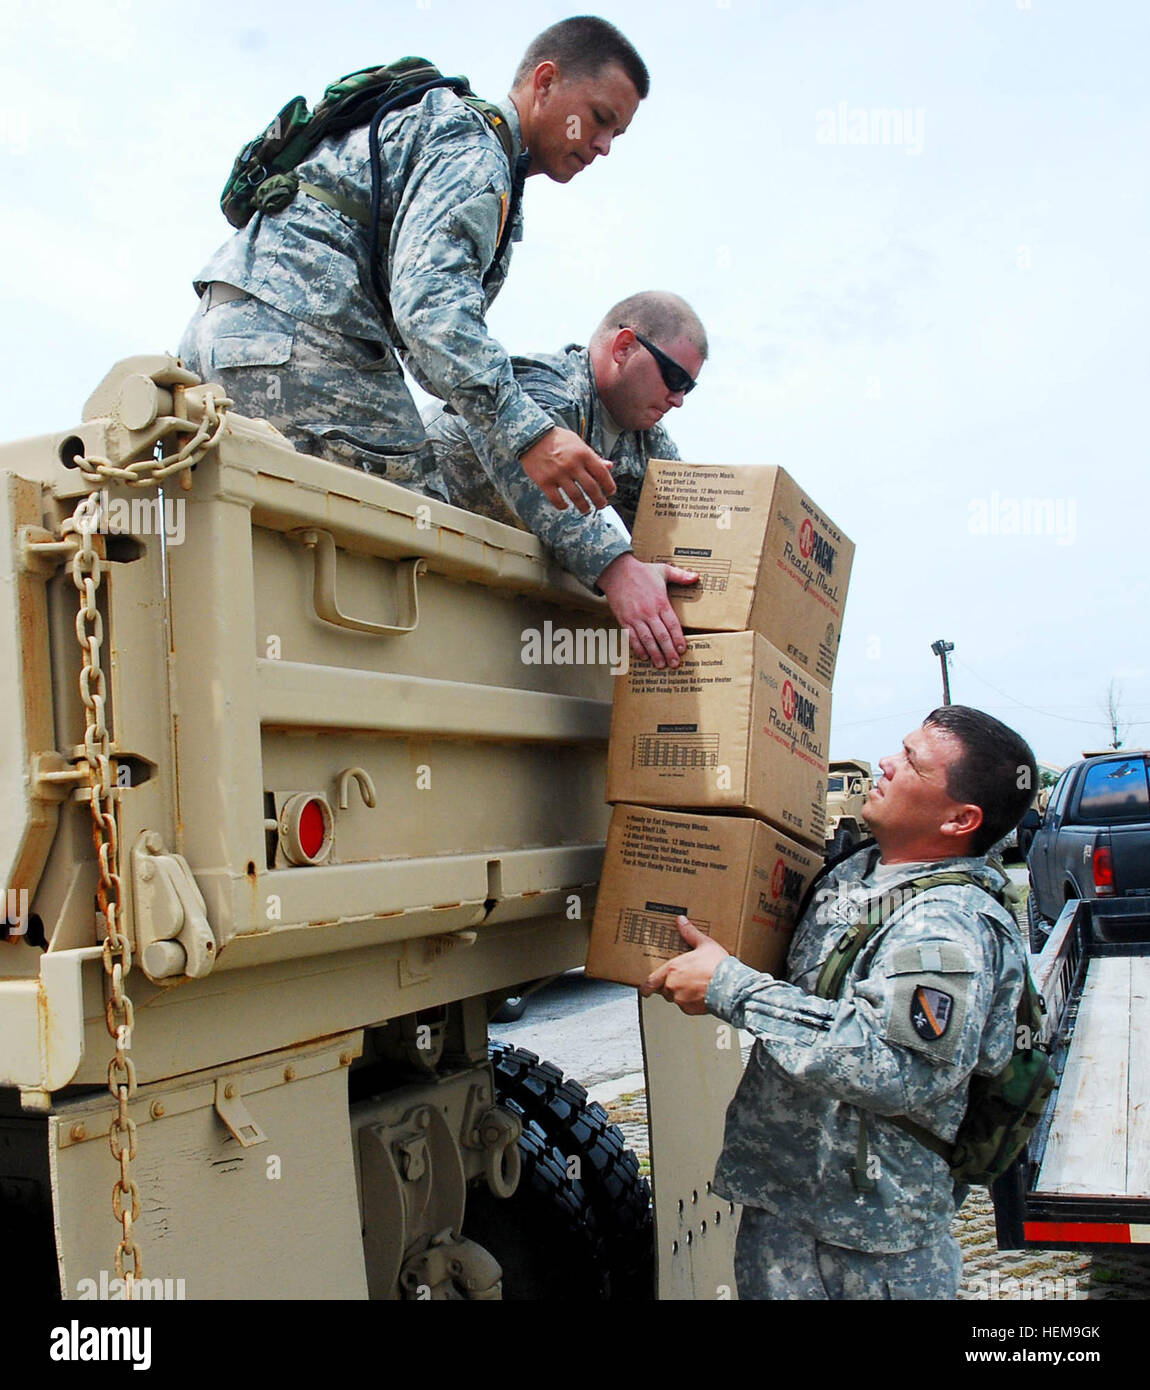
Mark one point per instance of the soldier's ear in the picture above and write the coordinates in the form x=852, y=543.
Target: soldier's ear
x=963, y=820
x=544, y=79
x=623, y=344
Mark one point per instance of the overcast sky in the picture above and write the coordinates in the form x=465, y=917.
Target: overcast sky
x=916, y=233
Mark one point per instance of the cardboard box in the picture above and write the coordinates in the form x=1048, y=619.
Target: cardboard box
x=768, y=558
x=736, y=725
x=737, y=879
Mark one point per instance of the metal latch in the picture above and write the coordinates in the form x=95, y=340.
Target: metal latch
x=172, y=931
x=234, y=1113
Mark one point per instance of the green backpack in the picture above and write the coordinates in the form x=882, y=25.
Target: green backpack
x=1001, y=1110
x=263, y=177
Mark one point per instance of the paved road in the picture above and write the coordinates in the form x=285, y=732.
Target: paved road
x=590, y=1029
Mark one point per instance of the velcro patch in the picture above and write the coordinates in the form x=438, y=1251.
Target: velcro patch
x=930, y=1012
x=928, y=1008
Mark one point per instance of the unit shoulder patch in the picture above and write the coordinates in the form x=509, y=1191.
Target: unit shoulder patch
x=930, y=988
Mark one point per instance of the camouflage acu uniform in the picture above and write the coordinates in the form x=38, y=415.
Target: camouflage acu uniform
x=312, y=351
x=483, y=477
x=806, y=1139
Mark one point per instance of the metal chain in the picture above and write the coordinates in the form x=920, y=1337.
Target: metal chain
x=152, y=470
x=86, y=575
x=120, y=1016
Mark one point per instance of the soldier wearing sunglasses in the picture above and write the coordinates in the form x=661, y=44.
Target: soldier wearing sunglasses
x=641, y=363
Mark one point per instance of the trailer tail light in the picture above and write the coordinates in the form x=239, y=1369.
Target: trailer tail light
x=306, y=828
x=1103, y=872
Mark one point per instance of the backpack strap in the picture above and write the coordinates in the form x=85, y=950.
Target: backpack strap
x=854, y=938
x=879, y=910
x=358, y=212
x=378, y=283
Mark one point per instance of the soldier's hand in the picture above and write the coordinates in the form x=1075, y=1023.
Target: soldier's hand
x=637, y=593
x=684, y=980
x=562, y=459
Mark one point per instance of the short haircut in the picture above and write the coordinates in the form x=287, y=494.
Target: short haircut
x=583, y=47
x=996, y=771
x=658, y=315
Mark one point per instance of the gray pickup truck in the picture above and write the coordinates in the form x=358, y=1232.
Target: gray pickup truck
x=1094, y=839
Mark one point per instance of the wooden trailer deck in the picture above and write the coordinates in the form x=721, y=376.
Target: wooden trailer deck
x=1099, y=1141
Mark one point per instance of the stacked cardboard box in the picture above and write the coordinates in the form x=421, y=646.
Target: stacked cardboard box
x=718, y=766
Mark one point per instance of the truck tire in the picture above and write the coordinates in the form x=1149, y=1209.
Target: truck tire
x=842, y=841
x=617, y=1197
x=544, y=1236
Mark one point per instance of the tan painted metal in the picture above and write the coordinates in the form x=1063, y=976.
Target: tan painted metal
x=277, y=627
x=693, y=1066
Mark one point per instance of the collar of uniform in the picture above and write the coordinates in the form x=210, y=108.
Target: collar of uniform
x=511, y=115
x=974, y=865
x=593, y=427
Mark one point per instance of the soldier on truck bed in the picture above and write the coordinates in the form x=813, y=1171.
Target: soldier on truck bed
x=642, y=361
x=306, y=313
x=839, y=1200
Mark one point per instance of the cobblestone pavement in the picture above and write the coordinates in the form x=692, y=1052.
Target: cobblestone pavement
x=988, y=1273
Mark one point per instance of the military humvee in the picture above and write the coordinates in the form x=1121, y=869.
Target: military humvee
x=287, y=815
x=848, y=782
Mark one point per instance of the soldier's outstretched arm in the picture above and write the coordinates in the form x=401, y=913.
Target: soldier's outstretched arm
x=443, y=241
x=910, y=1033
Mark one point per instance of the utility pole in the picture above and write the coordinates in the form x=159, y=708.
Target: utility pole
x=940, y=649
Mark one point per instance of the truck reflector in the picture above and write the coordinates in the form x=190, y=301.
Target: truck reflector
x=306, y=827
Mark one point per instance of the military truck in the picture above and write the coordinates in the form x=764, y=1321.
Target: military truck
x=848, y=781
x=300, y=785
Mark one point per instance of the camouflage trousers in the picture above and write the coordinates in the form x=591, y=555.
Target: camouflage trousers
x=338, y=398
x=775, y=1260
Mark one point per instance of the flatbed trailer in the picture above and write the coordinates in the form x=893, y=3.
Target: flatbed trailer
x=1084, y=1180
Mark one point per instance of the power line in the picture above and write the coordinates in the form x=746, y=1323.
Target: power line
x=1034, y=709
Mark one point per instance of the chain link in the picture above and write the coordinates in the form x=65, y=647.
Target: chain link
x=87, y=571
x=117, y=955
x=143, y=471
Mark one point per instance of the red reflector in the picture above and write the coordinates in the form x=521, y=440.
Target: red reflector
x=1094, y=1232
x=311, y=829
x=1103, y=872
x=305, y=829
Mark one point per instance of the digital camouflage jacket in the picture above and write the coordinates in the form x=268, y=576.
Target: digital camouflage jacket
x=483, y=477
x=930, y=999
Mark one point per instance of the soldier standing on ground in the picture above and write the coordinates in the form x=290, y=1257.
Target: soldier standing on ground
x=288, y=322
x=642, y=361
x=839, y=1202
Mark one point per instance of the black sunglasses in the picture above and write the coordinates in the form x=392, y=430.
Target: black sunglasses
x=675, y=377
